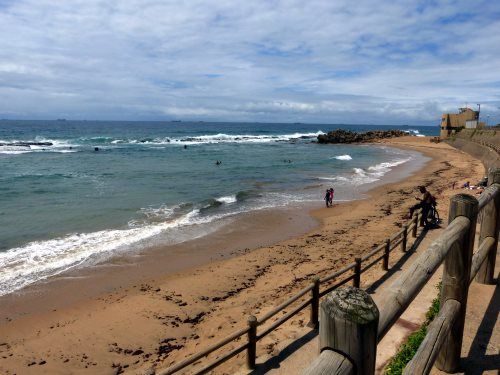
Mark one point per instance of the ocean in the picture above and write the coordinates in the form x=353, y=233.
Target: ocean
x=106, y=188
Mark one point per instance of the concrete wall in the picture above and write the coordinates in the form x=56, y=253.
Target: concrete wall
x=484, y=145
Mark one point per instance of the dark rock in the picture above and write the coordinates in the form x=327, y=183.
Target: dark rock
x=347, y=136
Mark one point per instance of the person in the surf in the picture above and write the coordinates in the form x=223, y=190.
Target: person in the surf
x=327, y=198
x=425, y=203
x=331, y=196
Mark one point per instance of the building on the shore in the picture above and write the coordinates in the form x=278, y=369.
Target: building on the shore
x=454, y=122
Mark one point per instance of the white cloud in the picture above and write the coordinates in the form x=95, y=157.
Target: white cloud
x=317, y=61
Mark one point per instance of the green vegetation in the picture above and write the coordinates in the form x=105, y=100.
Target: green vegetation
x=410, y=347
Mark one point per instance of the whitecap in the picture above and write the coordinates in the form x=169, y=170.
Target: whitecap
x=243, y=138
x=343, y=157
x=415, y=132
x=227, y=199
x=362, y=176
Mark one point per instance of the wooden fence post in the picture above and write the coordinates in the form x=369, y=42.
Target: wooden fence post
x=415, y=228
x=455, y=282
x=387, y=251
x=357, y=273
x=405, y=238
x=349, y=321
x=489, y=228
x=252, y=342
x=314, y=321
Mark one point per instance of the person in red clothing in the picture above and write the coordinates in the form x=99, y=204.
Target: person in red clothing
x=331, y=196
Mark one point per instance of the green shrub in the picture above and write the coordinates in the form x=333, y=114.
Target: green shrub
x=406, y=352
x=434, y=309
x=410, y=347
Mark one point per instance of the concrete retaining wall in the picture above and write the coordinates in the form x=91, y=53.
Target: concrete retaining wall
x=474, y=143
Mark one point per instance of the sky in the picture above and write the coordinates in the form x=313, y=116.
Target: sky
x=364, y=61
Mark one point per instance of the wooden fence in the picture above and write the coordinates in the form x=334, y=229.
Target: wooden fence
x=352, y=324
x=352, y=272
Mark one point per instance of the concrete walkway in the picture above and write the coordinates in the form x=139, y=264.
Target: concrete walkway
x=480, y=350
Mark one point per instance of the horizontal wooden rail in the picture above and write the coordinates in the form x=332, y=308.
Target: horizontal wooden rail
x=377, y=250
x=284, y=318
x=190, y=360
x=285, y=304
x=481, y=254
x=330, y=362
x=398, y=296
x=335, y=286
x=372, y=263
x=487, y=195
x=394, y=240
x=222, y=359
x=396, y=243
x=397, y=234
x=351, y=328
x=437, y=332
x=412, y=225
x=334, y=275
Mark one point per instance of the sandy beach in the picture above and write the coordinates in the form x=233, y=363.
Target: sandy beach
x=131, y=319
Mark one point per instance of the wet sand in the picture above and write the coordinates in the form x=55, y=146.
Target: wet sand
x=111, y=325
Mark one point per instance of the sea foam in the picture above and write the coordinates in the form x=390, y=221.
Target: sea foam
x=228, y=199
x=38, y=260
x=343, y=157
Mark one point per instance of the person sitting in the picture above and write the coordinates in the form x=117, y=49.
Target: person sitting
x=466, y=185
x=483, y=183
x=425, y=203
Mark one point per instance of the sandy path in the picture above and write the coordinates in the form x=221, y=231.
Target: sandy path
x=166, y=319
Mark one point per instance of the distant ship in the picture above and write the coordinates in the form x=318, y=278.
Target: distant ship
x=61, y=119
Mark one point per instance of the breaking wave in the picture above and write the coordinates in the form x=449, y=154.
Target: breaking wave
x=343, y=157
x=416, y=133
x=361, y=176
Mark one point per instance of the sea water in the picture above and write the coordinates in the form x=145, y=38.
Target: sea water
x=67, y=205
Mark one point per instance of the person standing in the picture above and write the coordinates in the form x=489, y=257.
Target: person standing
x=327, y=198
x=332, y=192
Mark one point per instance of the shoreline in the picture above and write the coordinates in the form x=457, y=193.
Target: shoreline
x=247, y=232
x=249, y=283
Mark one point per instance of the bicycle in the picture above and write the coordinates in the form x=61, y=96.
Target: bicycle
x=432, y=220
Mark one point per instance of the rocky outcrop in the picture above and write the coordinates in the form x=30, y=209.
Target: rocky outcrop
x=347, y=136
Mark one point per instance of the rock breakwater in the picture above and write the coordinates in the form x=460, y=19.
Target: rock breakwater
x=347, y=136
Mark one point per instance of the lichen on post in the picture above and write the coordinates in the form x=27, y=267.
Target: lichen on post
x=348, y=325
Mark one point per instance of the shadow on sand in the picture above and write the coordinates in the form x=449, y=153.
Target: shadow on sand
x=275, y=361
x=397, y=266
